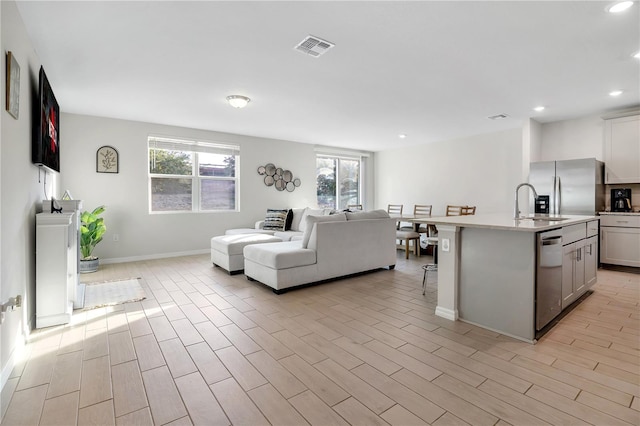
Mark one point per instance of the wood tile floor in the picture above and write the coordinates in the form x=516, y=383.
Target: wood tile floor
x=207, y=348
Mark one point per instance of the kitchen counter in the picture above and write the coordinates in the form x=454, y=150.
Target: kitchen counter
x=619, y=213
x=487, y=268
x=507, y=222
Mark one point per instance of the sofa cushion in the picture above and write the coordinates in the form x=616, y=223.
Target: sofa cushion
x=373, y=214
x=233, y=244
x=284, y=255
x=248, y=231
x=311, y=220
x=297, y=217
x=275, y=219
x=308, y=212
x=287, y=235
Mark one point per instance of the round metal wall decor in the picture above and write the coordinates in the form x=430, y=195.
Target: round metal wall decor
x=278, y=177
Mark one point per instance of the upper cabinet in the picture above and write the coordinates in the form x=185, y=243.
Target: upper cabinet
x=622, y=150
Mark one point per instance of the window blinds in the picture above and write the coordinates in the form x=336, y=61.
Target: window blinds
x=192, y=146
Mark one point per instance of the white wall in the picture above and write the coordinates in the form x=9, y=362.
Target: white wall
x=21, y=189
x=482, y=170
x=573, y=139
x=144, y=235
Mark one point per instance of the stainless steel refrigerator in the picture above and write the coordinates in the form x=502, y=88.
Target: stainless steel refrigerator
x=573, y=186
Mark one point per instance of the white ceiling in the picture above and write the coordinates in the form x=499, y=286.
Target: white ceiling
x=434, y=70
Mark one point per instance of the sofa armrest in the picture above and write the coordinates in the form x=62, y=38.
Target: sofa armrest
x=259, y=224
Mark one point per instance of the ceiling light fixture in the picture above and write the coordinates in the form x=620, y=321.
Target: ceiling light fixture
x=619, y=6
x=615, y=93
x=402, y=136
x=539, y=108
x=238, y=101
x=637, y=55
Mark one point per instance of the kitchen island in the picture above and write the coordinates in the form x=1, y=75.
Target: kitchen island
x=487, y=268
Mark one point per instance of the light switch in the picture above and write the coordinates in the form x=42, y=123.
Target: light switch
x=445, y=244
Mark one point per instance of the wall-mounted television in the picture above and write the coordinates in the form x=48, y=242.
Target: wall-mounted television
x=45, y=149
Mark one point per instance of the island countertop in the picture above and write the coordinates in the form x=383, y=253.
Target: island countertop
x=506, y=221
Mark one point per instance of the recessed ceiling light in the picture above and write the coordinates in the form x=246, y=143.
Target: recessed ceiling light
x=402, y=136
x=539, y=108
x=238, y=101
x=615, y=93
x=637, y=55
x=619, y=6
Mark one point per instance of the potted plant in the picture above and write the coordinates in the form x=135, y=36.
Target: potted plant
x=92, y=228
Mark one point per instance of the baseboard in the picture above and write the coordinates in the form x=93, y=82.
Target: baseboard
x=153, y=256
x=446, y=313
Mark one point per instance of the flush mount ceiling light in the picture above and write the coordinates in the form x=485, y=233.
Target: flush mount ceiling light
x=238, y=101
x=620, y=6
x=539, y=108
x=615, y=93
x=636, y=55
x=402, y=136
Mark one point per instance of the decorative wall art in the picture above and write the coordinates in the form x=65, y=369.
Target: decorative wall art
x=13, y=86
x=276, y=176
x=107, y=160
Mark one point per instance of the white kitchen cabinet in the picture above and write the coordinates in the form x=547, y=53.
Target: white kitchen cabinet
x=620, y=246
x=622, y=150
x=579, y=262
x=590, y=261
x=56, y=268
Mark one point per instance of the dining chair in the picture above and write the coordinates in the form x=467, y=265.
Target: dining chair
x=407, y=237
x=432, y=240
x=395, y=209
x=468, y=210
x=454, y=210
x=419, y=210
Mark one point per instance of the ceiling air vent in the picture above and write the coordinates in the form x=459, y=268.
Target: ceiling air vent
x=498, y=117
x=313, y=46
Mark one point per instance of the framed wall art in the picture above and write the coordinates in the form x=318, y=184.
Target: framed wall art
x=107, y=160
x=13, y=86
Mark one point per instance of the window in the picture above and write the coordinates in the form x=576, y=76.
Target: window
x=192, y=176
x=338, y=181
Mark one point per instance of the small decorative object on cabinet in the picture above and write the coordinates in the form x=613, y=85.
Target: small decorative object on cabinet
x=107, y=160
x=56, y=268
x=92, y=228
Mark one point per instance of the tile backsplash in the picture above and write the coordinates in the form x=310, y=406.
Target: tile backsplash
x=635, y=195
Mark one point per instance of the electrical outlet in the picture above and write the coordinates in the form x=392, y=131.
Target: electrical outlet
x=445, y=244
x=116, y=237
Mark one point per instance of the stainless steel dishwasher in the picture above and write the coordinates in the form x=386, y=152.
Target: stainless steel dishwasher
x=548, y=277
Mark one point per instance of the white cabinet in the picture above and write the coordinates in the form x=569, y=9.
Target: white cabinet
x=622, y=150
x=579, y=262
x=572, y=273
x=620, y=245
x=56, y=268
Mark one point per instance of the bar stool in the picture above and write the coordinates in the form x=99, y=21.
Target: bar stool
x=432, y=240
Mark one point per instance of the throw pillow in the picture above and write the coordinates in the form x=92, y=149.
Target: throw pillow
x=289, y=221
x=275, y=220
x=311, y=220
x=373, y=214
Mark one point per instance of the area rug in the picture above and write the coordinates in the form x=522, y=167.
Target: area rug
x=111, y=293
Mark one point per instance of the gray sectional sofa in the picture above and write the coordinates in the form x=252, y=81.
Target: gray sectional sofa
x=330, y=246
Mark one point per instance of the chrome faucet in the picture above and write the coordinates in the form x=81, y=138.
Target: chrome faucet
x=516, y=210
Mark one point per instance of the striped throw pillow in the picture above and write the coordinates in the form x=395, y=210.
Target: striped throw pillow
x=275, y=220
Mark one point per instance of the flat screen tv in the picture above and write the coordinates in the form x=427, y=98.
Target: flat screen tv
x=45, y=148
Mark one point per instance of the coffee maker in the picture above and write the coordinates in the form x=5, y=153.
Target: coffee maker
x=621, y=200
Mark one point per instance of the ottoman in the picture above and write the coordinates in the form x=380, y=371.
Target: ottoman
x=226, y=250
